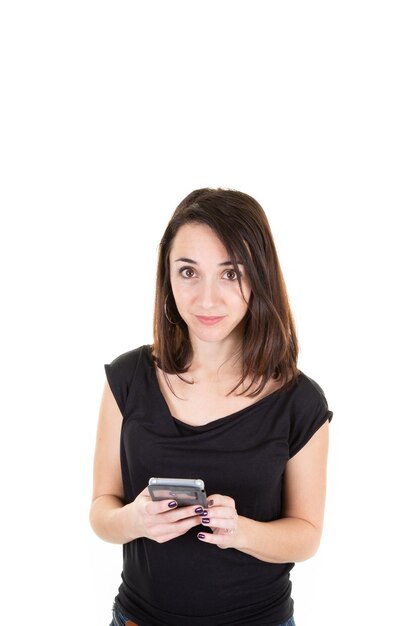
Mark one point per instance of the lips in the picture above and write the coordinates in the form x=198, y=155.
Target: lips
x=209, y=320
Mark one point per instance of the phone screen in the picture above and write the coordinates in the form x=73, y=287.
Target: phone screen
x=186, y=492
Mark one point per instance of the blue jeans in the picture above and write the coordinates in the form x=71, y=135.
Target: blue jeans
x=120, y=620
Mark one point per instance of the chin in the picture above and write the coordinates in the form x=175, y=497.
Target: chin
x=214, y=335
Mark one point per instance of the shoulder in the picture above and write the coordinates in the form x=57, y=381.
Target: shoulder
x=308, y=386
x=122, y=373
x=309, y=411
x=124, y=365
x=130, y=357
x=309, y=397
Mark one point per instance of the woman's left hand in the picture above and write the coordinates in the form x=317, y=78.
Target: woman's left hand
x=222, y=519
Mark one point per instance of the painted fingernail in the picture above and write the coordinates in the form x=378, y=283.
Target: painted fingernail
x=201, y=536
x=206, y=520
x=199, y=509
x=172, y=504
x=210, y=503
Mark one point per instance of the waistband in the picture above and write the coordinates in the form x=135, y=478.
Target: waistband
x=119, y=620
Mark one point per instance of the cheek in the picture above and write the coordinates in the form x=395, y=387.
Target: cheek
x=182, y=295
x=239, y=307
x=246, y=288
x=245, y=298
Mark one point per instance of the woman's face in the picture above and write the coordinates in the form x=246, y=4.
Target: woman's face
x=204, y=283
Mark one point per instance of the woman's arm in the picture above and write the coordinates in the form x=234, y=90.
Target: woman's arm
x=295, y=537
x=107, y=512
x=110, y=518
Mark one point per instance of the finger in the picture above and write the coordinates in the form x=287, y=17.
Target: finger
x=161, y=506
x=220, y=500
x=171, y=508
x=228, y=525
x=224, y=502
x=218, y=539
x=174, y=529
x=221, y=512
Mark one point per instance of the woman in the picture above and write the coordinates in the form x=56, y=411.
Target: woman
x=218, y=397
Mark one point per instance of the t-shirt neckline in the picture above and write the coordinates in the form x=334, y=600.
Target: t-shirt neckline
x=217, y=421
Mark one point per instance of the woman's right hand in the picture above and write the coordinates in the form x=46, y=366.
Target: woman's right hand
x=158, y=520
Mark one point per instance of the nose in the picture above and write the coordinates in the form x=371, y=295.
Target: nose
x=208, y=295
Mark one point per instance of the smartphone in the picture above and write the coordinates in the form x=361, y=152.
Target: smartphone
x=185, y=491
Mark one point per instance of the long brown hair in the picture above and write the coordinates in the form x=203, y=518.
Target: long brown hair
x=269, y=344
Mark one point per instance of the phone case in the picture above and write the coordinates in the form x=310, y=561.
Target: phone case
x=185, y=491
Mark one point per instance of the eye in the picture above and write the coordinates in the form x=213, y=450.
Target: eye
x=232, y=275
x=186, y=269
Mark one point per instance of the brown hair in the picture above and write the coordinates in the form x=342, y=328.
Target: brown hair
x=269, y=345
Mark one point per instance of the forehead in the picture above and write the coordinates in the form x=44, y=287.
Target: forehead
x=198, y=237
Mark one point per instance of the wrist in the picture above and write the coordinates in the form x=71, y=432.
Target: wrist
x=124, y=518
x=244, y=529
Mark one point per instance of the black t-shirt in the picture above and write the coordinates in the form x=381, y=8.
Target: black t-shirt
x=186, y=582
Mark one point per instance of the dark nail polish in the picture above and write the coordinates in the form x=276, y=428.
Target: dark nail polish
x=206, y=520
x=199, y=509
x=204, y=513
x=201, y=536
x=172, y=504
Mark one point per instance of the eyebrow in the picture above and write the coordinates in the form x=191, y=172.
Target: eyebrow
x=186, y=260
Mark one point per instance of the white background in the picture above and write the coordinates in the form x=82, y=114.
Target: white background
x=111, y=112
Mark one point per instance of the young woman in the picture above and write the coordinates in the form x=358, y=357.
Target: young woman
x=218, y=397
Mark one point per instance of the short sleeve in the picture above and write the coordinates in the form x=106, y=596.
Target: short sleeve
x=309, y=414
x=119, y=373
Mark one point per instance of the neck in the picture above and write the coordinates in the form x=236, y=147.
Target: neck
x=216, y=361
